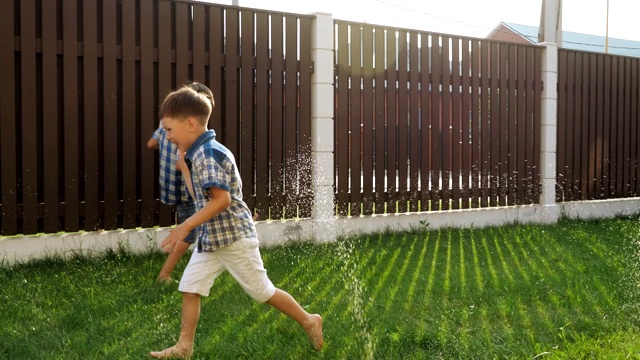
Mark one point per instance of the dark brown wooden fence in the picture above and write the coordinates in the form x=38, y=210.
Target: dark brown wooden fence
x=429, y=121
x=598, y=126
x=80, y=84
x=424, y=121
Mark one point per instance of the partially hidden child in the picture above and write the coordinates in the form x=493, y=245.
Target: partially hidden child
x=173, y=191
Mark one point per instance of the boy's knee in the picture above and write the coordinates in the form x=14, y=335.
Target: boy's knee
x=262, y=295
x=190, y=295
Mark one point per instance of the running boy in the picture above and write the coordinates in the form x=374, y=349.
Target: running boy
x=226, y=238
x=172, y=192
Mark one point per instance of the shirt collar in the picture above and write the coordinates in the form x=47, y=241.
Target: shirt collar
x=204, y=137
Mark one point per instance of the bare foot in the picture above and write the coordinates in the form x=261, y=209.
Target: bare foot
x=314, y=332
x=173, y=352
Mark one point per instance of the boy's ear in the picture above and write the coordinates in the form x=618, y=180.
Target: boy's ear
x=193, y=123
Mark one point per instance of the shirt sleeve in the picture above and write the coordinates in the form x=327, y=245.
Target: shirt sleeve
x=158, y=133
x=214, y=174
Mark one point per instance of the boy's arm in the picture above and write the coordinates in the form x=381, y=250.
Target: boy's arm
x=152, y=143
x=220, y=200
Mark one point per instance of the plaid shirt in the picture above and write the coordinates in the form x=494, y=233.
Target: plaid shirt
x=172, y=188
x=213, y=165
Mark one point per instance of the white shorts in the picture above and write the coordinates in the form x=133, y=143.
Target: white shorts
x=242, y=260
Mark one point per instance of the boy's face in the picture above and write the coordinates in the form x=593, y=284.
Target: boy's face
x=180, y=131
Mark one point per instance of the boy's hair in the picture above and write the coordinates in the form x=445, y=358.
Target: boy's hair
x=191, y=100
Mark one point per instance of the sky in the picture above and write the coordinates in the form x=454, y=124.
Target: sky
x=475, y=18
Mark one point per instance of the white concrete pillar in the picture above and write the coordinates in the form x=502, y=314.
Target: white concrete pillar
x=549, y=124
x=322, y=139
x=550, y=26
x=550, y=29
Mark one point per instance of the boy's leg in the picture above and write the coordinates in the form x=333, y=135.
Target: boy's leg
x=311, y=323
x=190, y=315
x=183, y=211
x=243, y=261
x=197, y=279
x=172, y=259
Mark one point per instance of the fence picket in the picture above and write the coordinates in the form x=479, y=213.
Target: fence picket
x=613, y=119
x=531, y=144
x=606, y=150
x=164, y=23
x=635, y=132
x=368, y=120
x=355, y=121
x=484, y=146
x=577, y=129
x=276, y=119
x=28, y=109
x=129, y=117
x=245, y=157
x=71, y=123
x=587, y=133
x=304, y=120
x=198, y=32
x=435, y=123
x=110, y=116
x=425, y=114
x=503, y=127
x=535, y=145
x=291, y=102
x=148, y=116
x=90, y=116
x=51, y=119
x=445, y=123
x=627, y=132
x=342, y=120
x=466, y=156
x=231, y=116
x=414, y=123
x=8, y=122
x=392, y=115
x=380, y=120
x=493, y=126
x=401, y=121
x=569, y=154
x=456, y=140
x=476, y=121
x=261, y=161
x=512, y=130
x=600, y=124
x=521, y=159
x=620, y=128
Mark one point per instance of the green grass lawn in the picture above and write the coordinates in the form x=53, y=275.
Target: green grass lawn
x=566, y=291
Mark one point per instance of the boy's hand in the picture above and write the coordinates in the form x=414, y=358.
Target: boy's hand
x=177, y=234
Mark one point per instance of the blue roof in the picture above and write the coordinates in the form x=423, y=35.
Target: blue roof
x=583, y=42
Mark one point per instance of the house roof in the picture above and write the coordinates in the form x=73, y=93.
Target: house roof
x=578, y=41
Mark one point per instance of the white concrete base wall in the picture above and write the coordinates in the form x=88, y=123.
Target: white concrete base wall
x=601, y=208
x=272, y=233
x=23, y=248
